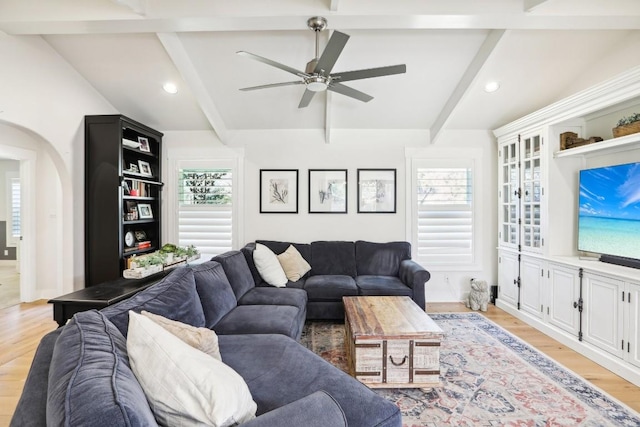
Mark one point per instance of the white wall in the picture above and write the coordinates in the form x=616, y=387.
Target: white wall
x=348, y=149
x=44, y=100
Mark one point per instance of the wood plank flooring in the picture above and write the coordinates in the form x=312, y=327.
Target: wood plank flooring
x=22, y=326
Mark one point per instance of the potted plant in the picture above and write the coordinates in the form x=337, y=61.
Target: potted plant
x=627, y=125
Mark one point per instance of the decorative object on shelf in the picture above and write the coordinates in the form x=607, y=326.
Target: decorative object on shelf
x=278, y=190
x=571, y=140
x=145, y=168
x=627, y=125
x=144, y=144
x=133, y=168
x=327, y=191
x=144, y=211
x=129, y=143
x=376, y=191
x=129, y=239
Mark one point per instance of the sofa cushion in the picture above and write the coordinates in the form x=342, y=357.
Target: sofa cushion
x=275, y=296
x=382, y=285
x=174, y=297
x=279, y=247
x=261, y=319
x=286, y=371
x=330, y=288
x=269, y=266
x=185, y=387
x=214, y=289
x=204, y=339
x=333, y=257
x=293, y=264
x=237, y=270
x=90, y=380
x=382, y=259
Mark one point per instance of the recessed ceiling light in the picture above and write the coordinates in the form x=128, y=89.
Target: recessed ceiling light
x=170, y=87
x=491, y=86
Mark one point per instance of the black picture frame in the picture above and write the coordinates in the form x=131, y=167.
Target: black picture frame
x=328, y=191
x=377, y=191
x=279, y=191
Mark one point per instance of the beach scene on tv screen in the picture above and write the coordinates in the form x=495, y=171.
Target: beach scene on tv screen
x=609, y=220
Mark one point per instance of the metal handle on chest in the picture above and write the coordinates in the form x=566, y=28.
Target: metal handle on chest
x=404, y=359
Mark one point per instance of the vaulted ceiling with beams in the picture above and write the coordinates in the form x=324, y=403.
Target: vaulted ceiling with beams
x=539, y=51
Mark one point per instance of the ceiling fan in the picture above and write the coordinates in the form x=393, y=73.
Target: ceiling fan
x=317, y=76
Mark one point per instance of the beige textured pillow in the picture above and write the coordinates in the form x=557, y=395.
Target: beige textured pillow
x=203, y=339
x=293, y=264
x=184, y=386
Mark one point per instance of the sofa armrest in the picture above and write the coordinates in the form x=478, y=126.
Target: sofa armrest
x=316, y=410
x=32, y=406
x=414, y=276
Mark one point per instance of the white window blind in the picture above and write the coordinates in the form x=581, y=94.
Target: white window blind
x=15, y=208
x=205, y=210
x=444, y=215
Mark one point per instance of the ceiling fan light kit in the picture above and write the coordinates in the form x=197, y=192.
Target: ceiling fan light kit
x=317, y=76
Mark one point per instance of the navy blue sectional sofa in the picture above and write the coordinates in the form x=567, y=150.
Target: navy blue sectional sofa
x=341, y=269
x=81, y=376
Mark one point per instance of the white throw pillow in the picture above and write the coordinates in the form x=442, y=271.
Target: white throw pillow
x=293, y=264
x=203, y=339
x=183, y=385
x=268, y=266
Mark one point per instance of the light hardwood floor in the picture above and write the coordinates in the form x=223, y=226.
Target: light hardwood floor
x=22, y=326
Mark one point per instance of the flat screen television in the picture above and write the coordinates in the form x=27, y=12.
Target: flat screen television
x=609, y=213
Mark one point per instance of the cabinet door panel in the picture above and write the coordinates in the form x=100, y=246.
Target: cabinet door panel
x=602, y=313
x=634, y=324
x=507, y=281
x=531, y=286
x=564, y=291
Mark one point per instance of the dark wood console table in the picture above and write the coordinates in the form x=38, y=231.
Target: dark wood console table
x=99, y=296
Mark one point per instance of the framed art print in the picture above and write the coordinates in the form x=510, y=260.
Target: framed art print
x=144, y=211
x=327, y=191
x=278, y=190
x=376, y=191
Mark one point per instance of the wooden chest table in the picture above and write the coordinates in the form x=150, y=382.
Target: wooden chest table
x=391, y=342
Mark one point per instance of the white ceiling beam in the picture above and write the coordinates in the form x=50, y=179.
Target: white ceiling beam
x=182, y=61
x=344, y=22
x=529, y=5
x=138, y=6
x=465, y=83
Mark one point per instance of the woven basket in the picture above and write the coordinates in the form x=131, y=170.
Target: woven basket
x=626, y=129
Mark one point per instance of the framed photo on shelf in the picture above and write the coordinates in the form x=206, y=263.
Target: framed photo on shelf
x=145, y=168
x=144, y=144
x=133, y=168
x=278, y=190
x=144, y=211
x=327, y=191
x=376, y=191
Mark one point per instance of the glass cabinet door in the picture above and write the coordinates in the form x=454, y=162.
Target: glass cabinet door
x=531, y=192
x=509, y=201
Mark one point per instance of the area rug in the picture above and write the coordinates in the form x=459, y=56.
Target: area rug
x=489, y=378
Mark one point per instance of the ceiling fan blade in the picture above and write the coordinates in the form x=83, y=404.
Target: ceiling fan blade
x=331, y=53
x=369, y=73
x=348, y=91
x=307, y=96
x=300, y=82
x=273, y=64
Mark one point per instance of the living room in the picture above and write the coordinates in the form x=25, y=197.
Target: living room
x=550, y=51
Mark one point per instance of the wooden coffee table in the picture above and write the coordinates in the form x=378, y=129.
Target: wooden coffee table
x=391, y=342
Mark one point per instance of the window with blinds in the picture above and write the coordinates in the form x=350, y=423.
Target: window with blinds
x=205, y=210
x=444, y=199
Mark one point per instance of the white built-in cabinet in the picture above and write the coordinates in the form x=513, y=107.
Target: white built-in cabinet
x=588, y=305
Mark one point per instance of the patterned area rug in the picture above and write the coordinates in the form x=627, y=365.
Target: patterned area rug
x=489, y=378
